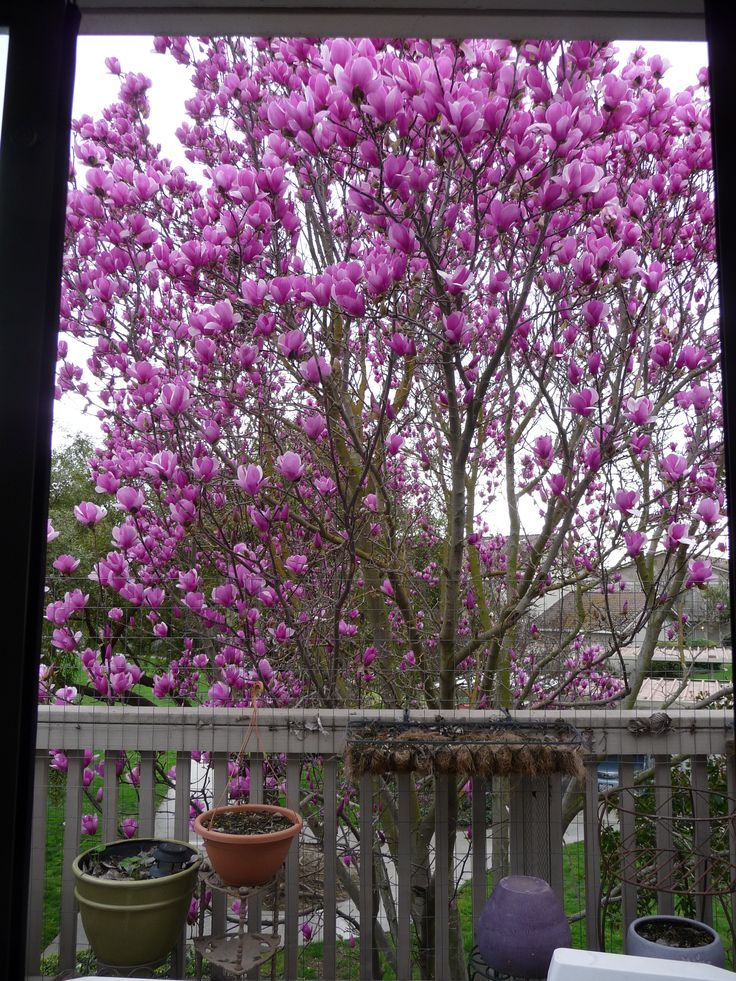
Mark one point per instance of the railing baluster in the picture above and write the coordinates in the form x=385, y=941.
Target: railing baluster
x=182, y=796
x=329, y=858
x=627, y=824
x=441, y=877
x=366, y=877
x=663, y=833
x=556, y=842
x=147, y=791
x=181, y=831
x=530, y=827
x=291, y=925
x=219, y=798
x=405, y=834
x=110, y=797
x=37, y=870
x=72, y=824
x=592, y=854
x=701, y=840
x=255, y=797
x=480, y=858
x=731, y=791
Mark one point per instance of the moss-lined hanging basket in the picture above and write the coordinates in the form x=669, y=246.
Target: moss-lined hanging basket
x=470, y=749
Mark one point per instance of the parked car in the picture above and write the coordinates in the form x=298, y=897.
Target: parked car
x=608, y=770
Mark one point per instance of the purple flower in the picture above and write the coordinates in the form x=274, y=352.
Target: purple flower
x=639, y=410
x=292, y=343
x=128, y=827
x=699, y=573
x=635, y=542
x=626, y=501
x=175, y=398
x=582, y=402
x=556, y=484
x=543, y=451
x=290, y=465
x=281, y=634
x=673, y=467
x=297, y=564
x=314, y=426
x=130, y=499
x=676, y=536
x=708, y=509
x=250, y=479
x=89, y=824
x=66, y=564
x=88, y=513
x=315, y=370
x=661, y=354
x=51, y=534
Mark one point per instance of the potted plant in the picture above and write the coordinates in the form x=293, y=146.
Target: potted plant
x=134, y=896
x=247, y=843
x=675, y=938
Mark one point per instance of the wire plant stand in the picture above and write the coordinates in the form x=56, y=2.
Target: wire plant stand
x=242, y=951
x=667, y=849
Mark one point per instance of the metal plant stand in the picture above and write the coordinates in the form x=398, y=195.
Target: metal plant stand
x=478, y=970
x=239, y=952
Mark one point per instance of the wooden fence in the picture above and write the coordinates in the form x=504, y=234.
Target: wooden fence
x=529, y=816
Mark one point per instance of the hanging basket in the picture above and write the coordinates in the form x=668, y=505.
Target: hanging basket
x=498, y=748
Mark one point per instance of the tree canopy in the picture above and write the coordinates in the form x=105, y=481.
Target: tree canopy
x=425, y=340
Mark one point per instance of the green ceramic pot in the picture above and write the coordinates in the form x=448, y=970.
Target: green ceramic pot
x=131, y=922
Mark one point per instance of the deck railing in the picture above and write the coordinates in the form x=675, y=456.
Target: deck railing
x=517, y=826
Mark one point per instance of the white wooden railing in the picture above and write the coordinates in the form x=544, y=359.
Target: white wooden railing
x=532, y=823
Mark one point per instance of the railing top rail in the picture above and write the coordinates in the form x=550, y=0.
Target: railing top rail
x=311, y=730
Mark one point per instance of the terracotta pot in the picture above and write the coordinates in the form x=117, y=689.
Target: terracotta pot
x=247, y=860
x=711, y=953
x=520, y=927
x=130, y=923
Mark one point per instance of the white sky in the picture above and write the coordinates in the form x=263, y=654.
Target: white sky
x=95, y=88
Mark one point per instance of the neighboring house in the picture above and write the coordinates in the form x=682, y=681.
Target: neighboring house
x=706, y=611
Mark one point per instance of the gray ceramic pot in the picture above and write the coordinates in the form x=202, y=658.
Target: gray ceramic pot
x=521, y=926
x=640, y=946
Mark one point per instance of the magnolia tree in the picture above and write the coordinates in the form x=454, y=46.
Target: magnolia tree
x=427, y=337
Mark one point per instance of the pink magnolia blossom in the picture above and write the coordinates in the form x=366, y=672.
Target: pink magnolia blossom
x=66, y=564
x=88, y=513
x=129, y=827
x=676, y=535
x=635, y=542
x=673, y=467
x=626, y=501
x=708, y=510
x=297, y=564
x=640, y=410
x=89, y=824
x=315, y=370
x=582, y=403
x=290, y=465
x=250, y=479
x=700, y=573
x=130, y=498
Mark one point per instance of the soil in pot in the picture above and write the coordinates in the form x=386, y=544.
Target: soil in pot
x=137, y=860
x=249, y=822
x=672, y=933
